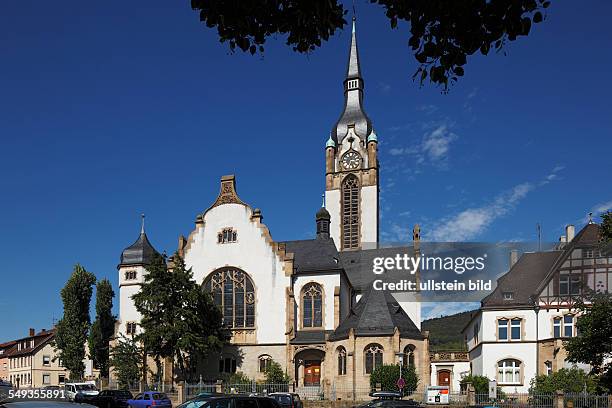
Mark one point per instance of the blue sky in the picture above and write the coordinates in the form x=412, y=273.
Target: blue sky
x=110, y=109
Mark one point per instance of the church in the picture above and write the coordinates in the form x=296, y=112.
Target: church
x=307, y=304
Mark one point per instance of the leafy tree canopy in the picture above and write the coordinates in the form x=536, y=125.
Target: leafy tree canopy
x=571, y=380
x=443, y=33
x=480, y=383
x=387, y=375
x=594, y=345
x=275, y=374
x=72, y=329
x=126, y=359
x=103, y=327
x=179, y=318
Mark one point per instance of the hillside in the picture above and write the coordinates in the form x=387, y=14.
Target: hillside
x=445, y=332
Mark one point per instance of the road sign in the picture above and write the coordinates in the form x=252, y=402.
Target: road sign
x=401, y=383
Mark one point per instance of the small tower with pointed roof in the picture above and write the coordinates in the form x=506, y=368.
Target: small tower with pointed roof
x=132, y=268
x=351, y=161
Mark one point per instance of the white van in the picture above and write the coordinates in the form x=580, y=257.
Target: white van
x=82, y=390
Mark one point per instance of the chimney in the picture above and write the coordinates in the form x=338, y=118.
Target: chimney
x=570, y=231
x=562, y=239
x=32, y=332
x=513, y=257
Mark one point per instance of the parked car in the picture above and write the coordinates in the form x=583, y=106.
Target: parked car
x=5, y=387
x=389, y=399
x=231, y=401
x=111, y=399
x=209, y=394
x=149, y=399
x=80, y=392
x=287, y=399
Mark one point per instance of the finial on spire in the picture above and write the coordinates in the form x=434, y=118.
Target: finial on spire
x=142, y=230
x=590, y=218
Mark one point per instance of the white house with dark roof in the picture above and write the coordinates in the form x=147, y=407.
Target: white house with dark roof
x=306, y=304
x=518, y=331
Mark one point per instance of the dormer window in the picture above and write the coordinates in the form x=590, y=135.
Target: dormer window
x=226, y=236
x=508, y=295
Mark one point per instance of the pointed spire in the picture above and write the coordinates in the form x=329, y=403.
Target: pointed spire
x=142, y=225
x=353, y=113
x=353, y=70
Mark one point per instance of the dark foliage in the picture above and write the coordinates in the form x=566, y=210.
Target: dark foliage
x=387, y=375
x=72, y=329
x=443, y=33
x=445, y=332
x=103, y=328
x=594, y=344
x=179, y=318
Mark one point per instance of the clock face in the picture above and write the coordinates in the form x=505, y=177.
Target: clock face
x=351, y=160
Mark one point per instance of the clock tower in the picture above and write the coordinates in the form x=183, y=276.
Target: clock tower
x=351, y=167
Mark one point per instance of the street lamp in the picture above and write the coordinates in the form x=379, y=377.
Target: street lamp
x=400, y=357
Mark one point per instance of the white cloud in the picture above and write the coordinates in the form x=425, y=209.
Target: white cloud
x=599, y=208
x=434, y=147
x=471, y=222
x=436, y=144
x=553, y=175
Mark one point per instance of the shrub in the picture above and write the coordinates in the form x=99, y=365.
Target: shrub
x=275, y=374
x=387, y=375
x=568, y=380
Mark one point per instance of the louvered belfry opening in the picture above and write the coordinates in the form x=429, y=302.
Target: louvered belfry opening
x=350, y=212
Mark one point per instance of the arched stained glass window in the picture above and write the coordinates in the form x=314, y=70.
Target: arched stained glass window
x=312, y=302
x=373, y=355
x=232, y=290
x=350, y=212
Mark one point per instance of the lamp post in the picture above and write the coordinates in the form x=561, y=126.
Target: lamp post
x=400, y=357
x=400, y=381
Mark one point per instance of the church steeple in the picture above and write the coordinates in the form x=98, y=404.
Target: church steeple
x=351, y=166
x=353, y=113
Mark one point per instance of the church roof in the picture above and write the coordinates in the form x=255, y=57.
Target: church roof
x=314, y=255
x=140, y=252
x=377, y=314
x=353, y=113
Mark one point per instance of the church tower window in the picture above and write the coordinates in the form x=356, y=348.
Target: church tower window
x=233, y=292
x=312, y=301
x=350, y=212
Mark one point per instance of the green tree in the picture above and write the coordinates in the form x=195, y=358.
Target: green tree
x=387, y=375
x=179, y=318
x=275, y=374
x=594, y=344
x=71, y=331
x=606, y=230
x=442, y=33
x=480, y=383
x=126, y=359
x=570, y=380
x=103, y=328
x=238, y=378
